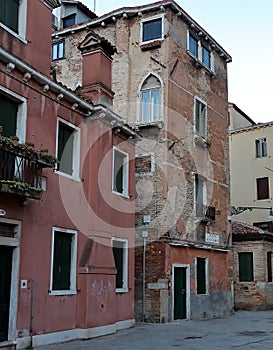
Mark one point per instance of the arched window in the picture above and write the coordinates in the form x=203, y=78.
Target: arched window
x=150, y=95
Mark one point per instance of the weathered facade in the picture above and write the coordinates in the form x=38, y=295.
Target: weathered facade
x=170, y=82
x=252, y=249
x=66, y=257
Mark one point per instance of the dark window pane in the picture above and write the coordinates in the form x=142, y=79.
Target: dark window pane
x=8, y=116
x=152, y=30
x=245, y=267
x=262, y=188
x=118, y=171
x=9, y=13
x=69, y=21
x=57, y=50
x=65, y=149
x=201, y=276
x=62, y=261
x=206, y=57
x=118, y=256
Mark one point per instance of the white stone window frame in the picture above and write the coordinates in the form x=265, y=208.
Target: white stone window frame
x=76, y=150
x=58, y=44
x=139, y=100
x=149, y=19
x=21, y=114
x=197, y=135
x=125, y=177
x=200, y=54
x=15, y=243
x=260, y=142
x=73, y=267
x=143, y=155
x=22, y=22
x=206, y=277
x=125, y=263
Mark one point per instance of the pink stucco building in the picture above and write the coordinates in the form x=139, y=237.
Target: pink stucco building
x=66, y=192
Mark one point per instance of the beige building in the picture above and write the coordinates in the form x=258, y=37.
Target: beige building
x=251, y=168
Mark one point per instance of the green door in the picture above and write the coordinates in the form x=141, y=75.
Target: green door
x=180, y=306
x=5, y=284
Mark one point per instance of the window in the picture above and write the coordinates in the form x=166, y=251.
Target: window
x=200, y=196
x=200, y=118
x=266, y=226
x=269, y=266
x=58, y=50
x=63, y=268
x=9, y=12
x=152, y=30
x=193, y=46
x=262, y=188
x=245, y=267
x=68, y=149
x=201, y=275
x=199, y=50
x=13, y=16
x=261, y=148
x=120, y=172
x=69, y=21
x=150, y=100
x=120, y=252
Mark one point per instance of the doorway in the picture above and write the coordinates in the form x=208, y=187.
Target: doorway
x=5, y=290
x=180, y=292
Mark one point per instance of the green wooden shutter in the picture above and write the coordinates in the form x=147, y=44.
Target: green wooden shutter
x=201, y=276
x=62, y=261
x=118, y=256
x=8, y=116
x=65, y=149
x=245, y=267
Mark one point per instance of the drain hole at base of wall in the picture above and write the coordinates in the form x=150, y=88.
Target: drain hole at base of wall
x=193, y=337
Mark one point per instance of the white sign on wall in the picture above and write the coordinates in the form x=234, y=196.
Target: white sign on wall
x=213, y=238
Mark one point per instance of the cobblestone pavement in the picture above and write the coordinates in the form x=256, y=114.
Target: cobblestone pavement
x=244, y=330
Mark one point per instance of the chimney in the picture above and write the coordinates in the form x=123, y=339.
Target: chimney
x=97, y=69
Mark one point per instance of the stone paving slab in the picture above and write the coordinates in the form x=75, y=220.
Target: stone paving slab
x=244, y=330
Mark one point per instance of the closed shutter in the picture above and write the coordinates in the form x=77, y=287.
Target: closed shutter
x=62, y=261
x=245, y=267
x=201, y=276
x=262, y=188
x=118, y=256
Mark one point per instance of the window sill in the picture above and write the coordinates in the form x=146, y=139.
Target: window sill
x=121, y=290
x=158, y=124
x=63, y=292
x=150, y=45
x=2, y=25
x=121, y=194
x=75, y=178
x=201, y=141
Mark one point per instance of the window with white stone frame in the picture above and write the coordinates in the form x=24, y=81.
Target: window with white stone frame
x=120, y=172
x=120, y=252
x=200, y=50
x=152, y=29
x=200, y=118
x=13, y=17
x=150, y=100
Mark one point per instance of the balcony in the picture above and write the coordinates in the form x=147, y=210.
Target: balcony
x=21, y=168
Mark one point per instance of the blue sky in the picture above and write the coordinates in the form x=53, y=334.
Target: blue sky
x=245, y=30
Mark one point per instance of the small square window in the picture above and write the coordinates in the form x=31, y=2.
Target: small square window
x=200, y=117
x=63, y=269
x=69, y=21
x=261, y=147
x=120, y=252
x=58, y=50
x=120, y=180
x=262, y=188
x=245, y=267
x=152, y=30
x=201, y=276
x=68, y=149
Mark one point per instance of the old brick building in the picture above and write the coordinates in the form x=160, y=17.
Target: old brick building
x=252, y=248
x=170, y=81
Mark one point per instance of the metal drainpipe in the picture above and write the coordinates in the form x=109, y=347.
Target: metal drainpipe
x=31, y=312
x=144, y=236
